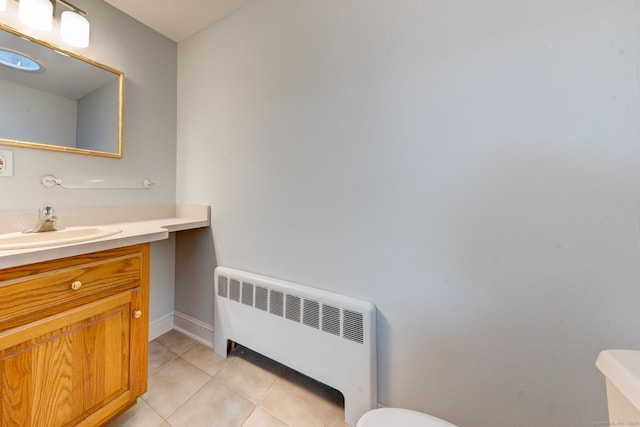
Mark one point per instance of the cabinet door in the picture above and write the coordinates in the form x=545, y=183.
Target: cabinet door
x=71, y=368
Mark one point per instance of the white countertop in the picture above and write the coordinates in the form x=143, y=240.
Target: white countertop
x=133, y=232
x=622, y=369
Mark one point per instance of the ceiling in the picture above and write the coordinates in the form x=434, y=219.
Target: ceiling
x=178, y=20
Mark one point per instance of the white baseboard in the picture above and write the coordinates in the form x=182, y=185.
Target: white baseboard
x=160, y=326
x=181, y=322
x=193, y=328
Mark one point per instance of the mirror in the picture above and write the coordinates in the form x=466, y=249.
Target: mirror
x=71, y=104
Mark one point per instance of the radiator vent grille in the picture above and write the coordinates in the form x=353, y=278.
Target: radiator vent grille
x=262, y=298
x=293, y=308
x=247, y=294
x=331, y=319
x=353, y=324
x=276, y=304
x=234, y=291
x=311, y=312
x=223, y=291
x=346, y=323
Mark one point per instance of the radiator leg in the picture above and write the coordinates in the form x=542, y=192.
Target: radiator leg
x=231, y=345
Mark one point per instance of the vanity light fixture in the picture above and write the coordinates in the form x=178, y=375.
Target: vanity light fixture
x=39, y=14
x=74, y=28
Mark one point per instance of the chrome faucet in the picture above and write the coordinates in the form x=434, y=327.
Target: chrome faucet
x=46, y=221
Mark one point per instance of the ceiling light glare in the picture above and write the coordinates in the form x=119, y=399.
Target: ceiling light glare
x=37, y=14
x=74, y=29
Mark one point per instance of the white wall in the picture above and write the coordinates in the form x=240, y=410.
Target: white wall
x=97, y=125
x=24, y=106
x=148, y=61
x=471, y=167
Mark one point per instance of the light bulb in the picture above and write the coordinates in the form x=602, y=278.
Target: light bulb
x=3, y=5
x=37, y=14
x=74, y=28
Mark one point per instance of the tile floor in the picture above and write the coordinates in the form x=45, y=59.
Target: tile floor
x=191, y=386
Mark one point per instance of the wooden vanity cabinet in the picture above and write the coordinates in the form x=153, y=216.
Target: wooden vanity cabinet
x=73, y=338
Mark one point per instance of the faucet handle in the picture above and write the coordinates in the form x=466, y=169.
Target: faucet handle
x=46, y=215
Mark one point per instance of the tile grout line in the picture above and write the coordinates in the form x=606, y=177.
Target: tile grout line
x=164, y=420
x=236, y=390
x=279, y=374
x=259, y=405
x=188, y=398
x=179, y=356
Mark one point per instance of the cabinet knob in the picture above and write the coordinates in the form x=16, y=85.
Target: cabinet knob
x=76, y=285
x=137, y=314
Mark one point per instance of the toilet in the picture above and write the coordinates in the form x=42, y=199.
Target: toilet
x=396, y=417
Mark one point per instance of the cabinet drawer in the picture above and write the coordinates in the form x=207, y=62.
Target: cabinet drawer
x=64, y=286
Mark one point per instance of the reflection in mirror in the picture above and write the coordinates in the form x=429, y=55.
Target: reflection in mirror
x=70, y=103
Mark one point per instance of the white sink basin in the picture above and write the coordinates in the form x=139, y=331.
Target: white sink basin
x=52, y=238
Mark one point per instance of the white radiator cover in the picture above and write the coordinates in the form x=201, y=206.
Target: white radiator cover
x=326, y=336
